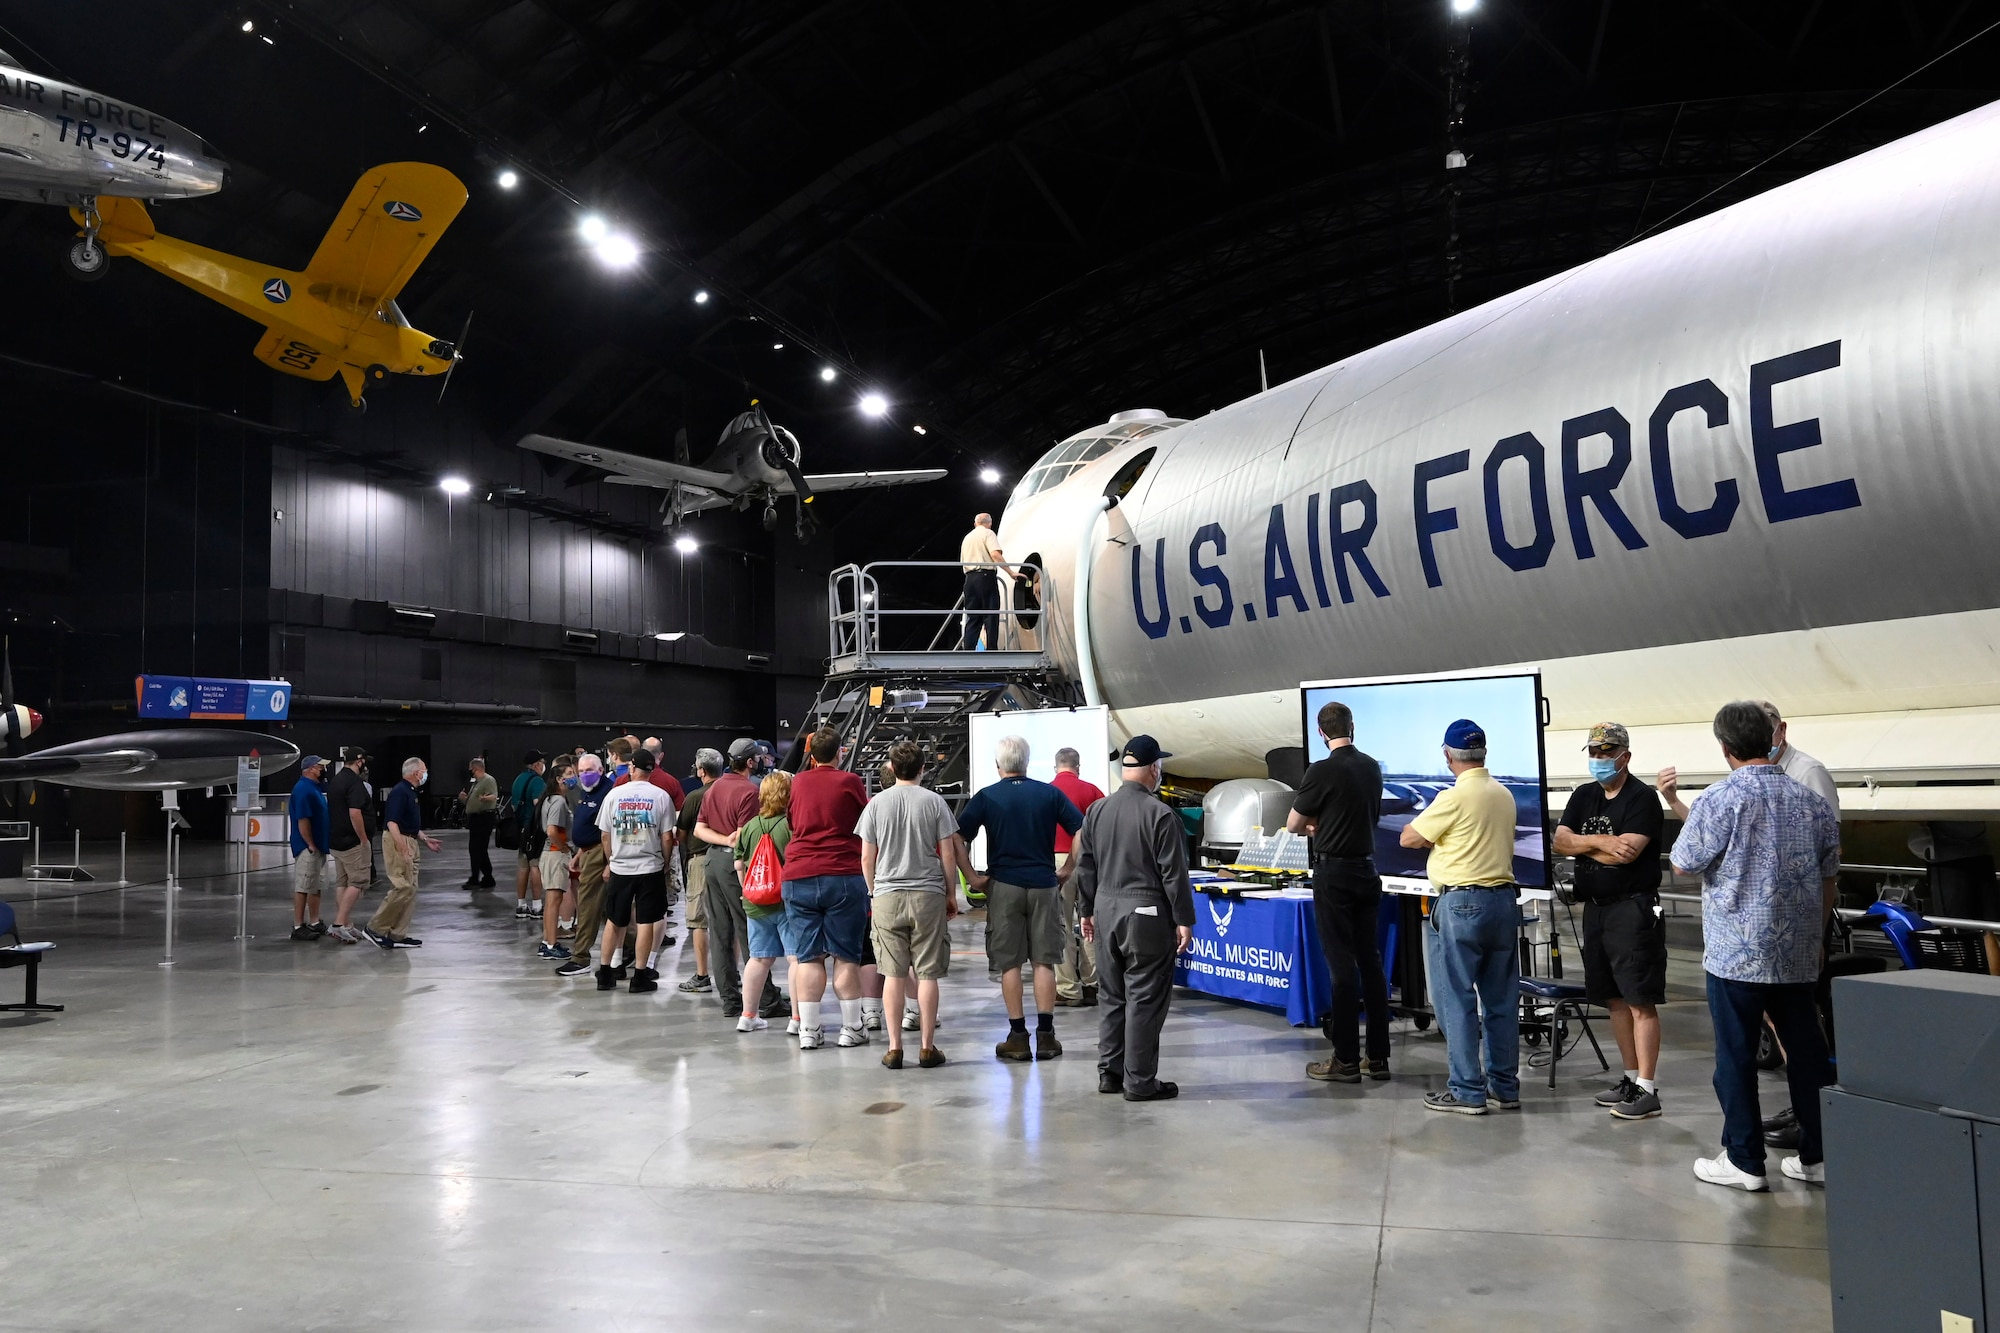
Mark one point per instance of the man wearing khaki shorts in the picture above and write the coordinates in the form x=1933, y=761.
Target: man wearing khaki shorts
x=708, y=765
x=910, y=854
x=347, y=837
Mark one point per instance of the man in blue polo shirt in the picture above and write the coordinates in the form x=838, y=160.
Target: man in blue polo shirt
x=311, y=825
x=1024, y=916
x=402, y=830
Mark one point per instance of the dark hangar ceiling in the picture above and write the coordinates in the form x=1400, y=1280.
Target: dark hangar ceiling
x=1012, y=219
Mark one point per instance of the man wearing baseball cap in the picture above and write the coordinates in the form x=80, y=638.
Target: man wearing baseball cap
x=311, y=826
x=1131, y=867
x=1472, y=946
x=1612, y=825
x=730, y=803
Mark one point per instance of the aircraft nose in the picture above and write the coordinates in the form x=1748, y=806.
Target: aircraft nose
x=34, y=721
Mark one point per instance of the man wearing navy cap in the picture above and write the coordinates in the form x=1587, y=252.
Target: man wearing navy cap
x=1472, y=948
x=1131, y=862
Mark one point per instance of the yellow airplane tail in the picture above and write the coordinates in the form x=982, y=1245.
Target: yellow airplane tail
x=282, y=351
x=124, y=221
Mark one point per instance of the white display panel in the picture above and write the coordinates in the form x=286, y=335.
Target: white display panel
x=1085, y=730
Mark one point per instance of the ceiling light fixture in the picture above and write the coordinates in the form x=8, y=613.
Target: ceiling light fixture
x=991, y=476
x=1464, y=6
x=826, y=373
x=420, y=128
x=686, y=545
x=701, y=298
x=874, y=405
x=455, y=485
x=593, y=228
x=618, y=250
x=919, y=429
x=249, y=25
x=777, y=347
x=508, y=180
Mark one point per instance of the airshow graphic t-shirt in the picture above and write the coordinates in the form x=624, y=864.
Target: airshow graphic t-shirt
x=634, y=819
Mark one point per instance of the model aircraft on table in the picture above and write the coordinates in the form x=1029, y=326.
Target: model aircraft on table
x=754, y=461
x=338, y=315
x=61, y=144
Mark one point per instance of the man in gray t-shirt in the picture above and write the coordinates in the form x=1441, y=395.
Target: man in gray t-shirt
x=911, y=857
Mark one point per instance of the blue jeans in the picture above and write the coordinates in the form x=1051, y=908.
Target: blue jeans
x=827, y=914
x=1738, y=1008
x=1473, y=953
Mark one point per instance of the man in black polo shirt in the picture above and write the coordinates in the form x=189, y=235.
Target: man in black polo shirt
x=1339, y=805
x=1612, y=826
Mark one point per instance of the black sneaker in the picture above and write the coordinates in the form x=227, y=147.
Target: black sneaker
x=551, y=951
x=667, y=942
x=1378, y=1070
x=575, y=967
x=1785, y=1119
x=698, y=984
x=1108, y=1082
x=385, y=941
x=319, y=928
x=469, y=885
x=302, y=931
x=1163, y=1091
x=607, y=978
x=406, y=942
x=644, y=979
x=1615, y=1094
x=1641, y=1105
x=520, y=909
x=1445, y=1101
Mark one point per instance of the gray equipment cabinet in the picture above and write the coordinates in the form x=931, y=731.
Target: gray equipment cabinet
x=1913, y=1154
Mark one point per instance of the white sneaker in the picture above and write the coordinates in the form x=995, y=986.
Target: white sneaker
x=853, y=1037
x=871, y=1019
x=913, y=1020
x=792, y=1028
x=1719, y=1170
x=751, y=1023
x=811, y=1039
x=1798, y=1170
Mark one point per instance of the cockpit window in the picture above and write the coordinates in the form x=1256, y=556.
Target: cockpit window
x=1080, y=450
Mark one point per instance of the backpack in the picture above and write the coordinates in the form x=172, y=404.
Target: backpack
x=507, y=826
x=763, y=879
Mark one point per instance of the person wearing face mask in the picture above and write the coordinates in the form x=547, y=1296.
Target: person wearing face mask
x=588, y=841
x=402, y=829
x=1613, y=825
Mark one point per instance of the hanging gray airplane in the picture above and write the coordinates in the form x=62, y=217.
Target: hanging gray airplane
x=754, y=461
x=65, y=145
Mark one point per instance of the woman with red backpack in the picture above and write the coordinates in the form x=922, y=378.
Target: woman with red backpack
x=760, y=861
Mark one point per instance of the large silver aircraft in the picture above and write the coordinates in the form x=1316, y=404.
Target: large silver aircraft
x=754, y=462
x=65, y=145
x=1750, y=457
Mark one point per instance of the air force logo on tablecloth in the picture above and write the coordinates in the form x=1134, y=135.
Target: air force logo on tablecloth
x=1221, y=919
x=403, y=212
x=277, y=291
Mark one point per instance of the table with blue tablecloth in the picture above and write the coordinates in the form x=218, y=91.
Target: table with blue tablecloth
x=1263, y=951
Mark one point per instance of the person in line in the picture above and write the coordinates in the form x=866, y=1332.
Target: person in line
x=1338, y=807
x=1024, y=921
x=526, y=795
x=708, y=766
x=588, y=843
x=910, y=858
x=663, y=938
x=347, y=837
x=660, y=777
x=482, y=800
x=979, y=556
x=1613, y=825
x=766, y=925
x=1131, y=864
x=731, y=803
x=1472, y=948
x=1076, y=974
x=826, y=897
x=402, y=830
x=311, y=828
x=1768, y=853
x=555, y=819
x=637, y=821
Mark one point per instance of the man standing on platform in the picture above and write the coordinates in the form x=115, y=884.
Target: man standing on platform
x=1612, y=825
x=482, y=800
x=1472, y=948
x=1339, y=806
x=1076, y=974
x=402, y=828
x=1131, y=867
x=979, y=557
x=730, y=803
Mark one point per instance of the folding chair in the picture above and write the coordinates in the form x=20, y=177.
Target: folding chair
x=1550, y=1005
x=29, y=956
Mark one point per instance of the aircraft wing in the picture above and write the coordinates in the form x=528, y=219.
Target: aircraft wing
x=392, y=218
x=634, y=469
x=854, y=481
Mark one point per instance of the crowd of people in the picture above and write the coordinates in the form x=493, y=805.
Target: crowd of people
x=1088, y=896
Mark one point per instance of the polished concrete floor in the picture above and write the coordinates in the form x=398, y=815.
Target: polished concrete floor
x=273, y=1135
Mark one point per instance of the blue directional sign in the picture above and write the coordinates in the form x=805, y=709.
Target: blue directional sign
x=206, y=698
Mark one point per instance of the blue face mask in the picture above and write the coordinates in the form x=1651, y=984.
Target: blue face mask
x=1604, y=770
x=1776, y=750
x=569, y=782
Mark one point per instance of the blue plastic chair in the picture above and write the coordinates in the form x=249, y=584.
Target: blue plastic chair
x=20, y=954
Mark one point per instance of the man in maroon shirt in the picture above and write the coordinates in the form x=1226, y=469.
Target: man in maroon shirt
x=1076, y=974
x=731, y=803
x=662, y=779
x=826, y=897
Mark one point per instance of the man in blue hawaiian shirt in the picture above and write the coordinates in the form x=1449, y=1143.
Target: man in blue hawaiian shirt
x=1768, y=853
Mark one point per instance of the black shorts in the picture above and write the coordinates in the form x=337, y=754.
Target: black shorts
x=641, y=898
x=1624, y=951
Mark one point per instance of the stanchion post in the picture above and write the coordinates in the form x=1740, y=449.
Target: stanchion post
x=121, y=860
x=76, y=849
x=173, y=890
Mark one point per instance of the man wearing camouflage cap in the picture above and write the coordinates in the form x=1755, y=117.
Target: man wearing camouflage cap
x=1612, y=826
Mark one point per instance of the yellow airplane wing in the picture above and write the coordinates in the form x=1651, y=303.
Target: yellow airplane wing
x=391, y=219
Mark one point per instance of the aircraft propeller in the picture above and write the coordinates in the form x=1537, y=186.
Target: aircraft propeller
x=457, y=355
x=801, y=491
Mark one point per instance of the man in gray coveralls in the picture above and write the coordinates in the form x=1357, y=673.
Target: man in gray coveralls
x=1132, y=854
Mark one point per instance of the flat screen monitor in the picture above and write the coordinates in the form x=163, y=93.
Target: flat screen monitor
x=1401, y=724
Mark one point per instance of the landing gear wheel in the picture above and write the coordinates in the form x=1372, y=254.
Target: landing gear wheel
x=358, y=406
x=87, y=261
x=771, y=518
x=378, y=372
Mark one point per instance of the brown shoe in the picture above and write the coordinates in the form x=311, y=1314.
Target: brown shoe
x=1376, y=1069
x=1046, y=1045
x=1015, y=1047
x=930, y=1057
x=1333, y=1070
x=1072, y=1001
x=892, y=1058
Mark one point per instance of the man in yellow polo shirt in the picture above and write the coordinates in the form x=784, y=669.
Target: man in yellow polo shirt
x=1472, y=948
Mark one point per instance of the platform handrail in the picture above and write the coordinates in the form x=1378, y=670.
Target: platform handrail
x=856, y=610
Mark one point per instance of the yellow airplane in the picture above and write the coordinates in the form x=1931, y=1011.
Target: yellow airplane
x=338, y=316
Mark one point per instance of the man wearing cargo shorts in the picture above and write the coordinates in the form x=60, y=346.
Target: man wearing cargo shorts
x=709, y=766
x=347, y=837
x=910, y=852
x=588, y=839
x=1024, y=918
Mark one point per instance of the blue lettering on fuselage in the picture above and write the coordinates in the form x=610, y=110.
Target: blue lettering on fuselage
x=1341, y=522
